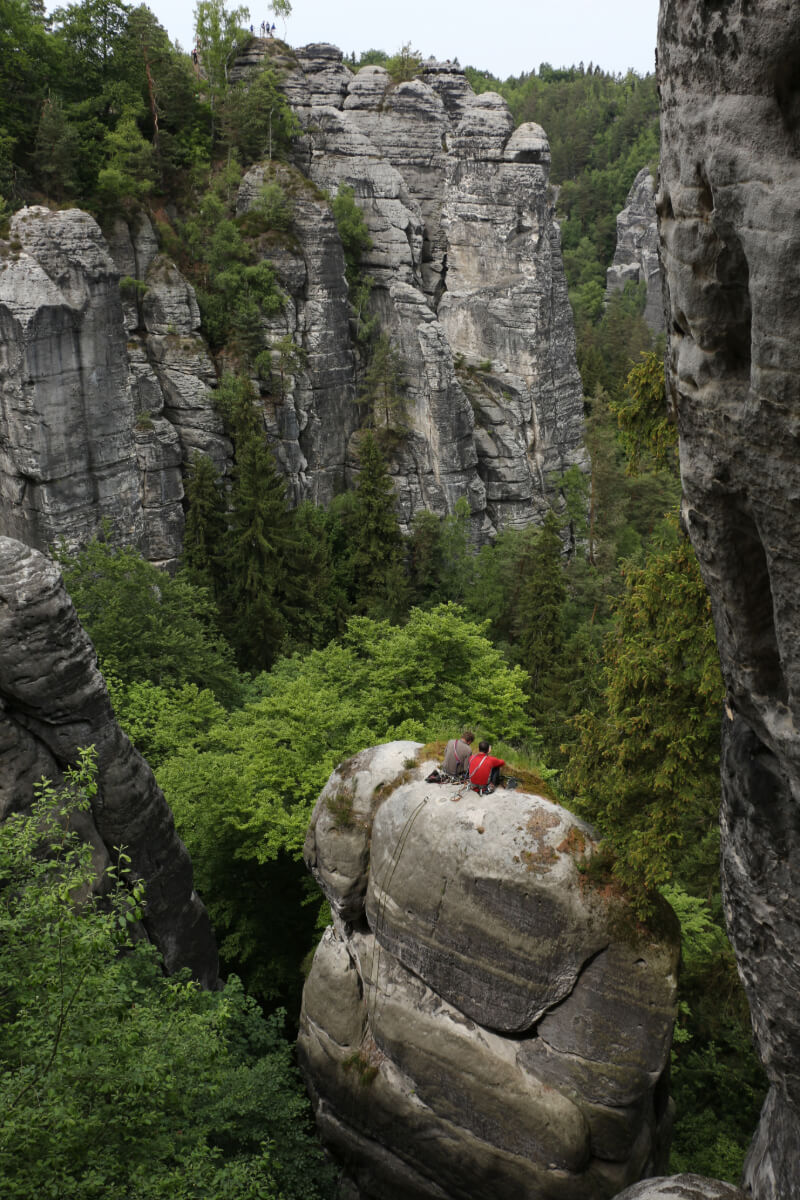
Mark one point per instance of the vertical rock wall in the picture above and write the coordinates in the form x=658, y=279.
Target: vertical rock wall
x=729, y=208
x=52, y=701
x=104, y=392
x=469, y=285
x=636, y=256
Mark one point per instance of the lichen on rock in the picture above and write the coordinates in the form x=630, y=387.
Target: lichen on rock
x=479, y=1020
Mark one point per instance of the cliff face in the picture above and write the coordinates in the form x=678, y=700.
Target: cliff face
x=467, y=268
x=479, y=1021
x=106, y=393
x=636, y=257
x=103, y=396
x=52, y=701
x=729, y=210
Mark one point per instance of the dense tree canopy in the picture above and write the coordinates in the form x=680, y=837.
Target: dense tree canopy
x=116, y=1081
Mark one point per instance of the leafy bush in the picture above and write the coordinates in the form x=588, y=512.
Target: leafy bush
x=116, y=1082
x=146, y=625
x=245, y=796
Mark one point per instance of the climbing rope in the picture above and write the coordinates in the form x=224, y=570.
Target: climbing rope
x=394, y=861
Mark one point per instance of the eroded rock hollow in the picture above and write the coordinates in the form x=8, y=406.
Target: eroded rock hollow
x=479, y=1020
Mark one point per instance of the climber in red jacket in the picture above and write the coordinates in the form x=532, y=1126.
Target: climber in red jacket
x=484, y=768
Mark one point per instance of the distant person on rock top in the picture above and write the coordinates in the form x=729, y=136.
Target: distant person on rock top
x=484, y=768
x=457, y=754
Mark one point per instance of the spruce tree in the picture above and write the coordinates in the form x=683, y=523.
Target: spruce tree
x=260, y=590
x=206, y=525
x=377, y=543
x=537, y=619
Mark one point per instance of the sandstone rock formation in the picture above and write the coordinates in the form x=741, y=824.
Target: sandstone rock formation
x=479, y=1021
x=102, y=396
x=53, y=701
x=729, y=208
x=636, y=257
x=469, y=285
x=105, y=393
x=681, y=1187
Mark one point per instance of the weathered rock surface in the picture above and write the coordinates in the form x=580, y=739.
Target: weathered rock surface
x=108, y=392
x=469, y=285
x=52, y=702
x=104, y=393
x=729, y=208
x=681, y=1187
x=636, y=257
x=478, y=1021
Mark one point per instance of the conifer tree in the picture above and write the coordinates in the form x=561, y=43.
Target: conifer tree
x=383, y=389
x=377, y=546
x=206, y=524
x=260, y=587
x=537, y=621
x=56, y=151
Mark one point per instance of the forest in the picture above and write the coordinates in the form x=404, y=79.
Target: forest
x=293, y=637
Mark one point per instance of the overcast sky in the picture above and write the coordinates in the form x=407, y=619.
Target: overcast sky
x=505, y=37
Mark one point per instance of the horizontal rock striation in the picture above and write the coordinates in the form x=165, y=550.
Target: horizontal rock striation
x=636, y=256
x=479, y=1021
x=681, y=1187
x=104, y=392
x=468, y=284
x=53, y=701
x=729, y=208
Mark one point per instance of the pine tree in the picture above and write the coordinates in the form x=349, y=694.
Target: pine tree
x=57, y=150
x=383, y=389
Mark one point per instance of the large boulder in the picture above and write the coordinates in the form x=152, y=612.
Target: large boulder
x=53, y=701
x=729, y=209
x=482, y=1018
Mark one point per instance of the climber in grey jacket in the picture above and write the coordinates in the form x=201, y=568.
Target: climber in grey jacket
x=457, y=754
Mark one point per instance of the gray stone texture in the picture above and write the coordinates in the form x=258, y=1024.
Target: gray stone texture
x=681, y=1187
x=479, y=1021
x=729, y=209
x=104, y=392
x=467, y=267
x=107, y=392
x=53, y=701
x=636, y=256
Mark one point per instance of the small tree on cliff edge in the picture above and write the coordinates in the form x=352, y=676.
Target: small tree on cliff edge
x=218, y=35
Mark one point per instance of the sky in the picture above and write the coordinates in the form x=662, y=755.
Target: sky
x=505, y=37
